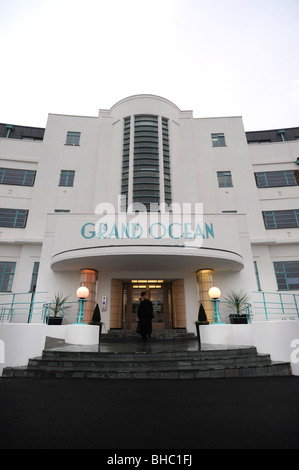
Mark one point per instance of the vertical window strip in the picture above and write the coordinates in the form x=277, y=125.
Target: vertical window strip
x=126, y=164
x=146, y=161
x=166, y=162
x=257, y=276
x=34, y=276
x=7, y=272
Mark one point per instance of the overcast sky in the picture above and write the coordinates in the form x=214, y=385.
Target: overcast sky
x=215, y=57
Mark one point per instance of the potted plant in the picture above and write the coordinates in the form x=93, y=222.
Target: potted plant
x=239, y=301
x=201, y=320
x=57, y=308
x=96, y=320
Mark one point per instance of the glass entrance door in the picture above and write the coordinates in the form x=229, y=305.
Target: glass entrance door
x=159, y=293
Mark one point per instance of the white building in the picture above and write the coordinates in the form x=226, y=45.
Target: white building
x=146, y=149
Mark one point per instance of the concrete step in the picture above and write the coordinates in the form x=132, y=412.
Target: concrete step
x=214, y=363
x=272, y=370
x=181, y=333
x=146, y=363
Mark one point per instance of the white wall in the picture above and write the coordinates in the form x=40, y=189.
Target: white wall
x=279, y=339
x=21, y=343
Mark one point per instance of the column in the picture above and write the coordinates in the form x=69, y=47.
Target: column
x=205, y=281
x=88, y=278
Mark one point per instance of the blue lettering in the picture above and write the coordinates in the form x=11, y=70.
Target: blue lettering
x=170, y=231
x=91, y=233
x=102, y=231
x=210, y=230
x=187, y=234
x=136, y=227
x=198, y=232
x=113, y=233
x=151, y=230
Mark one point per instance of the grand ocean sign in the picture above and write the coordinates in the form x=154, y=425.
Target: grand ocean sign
x=179, y=226
x=183, y=223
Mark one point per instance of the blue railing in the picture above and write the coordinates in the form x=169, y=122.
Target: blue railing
x=69, y=312
x=271, y=306
x=226, y=312
x=28, y=307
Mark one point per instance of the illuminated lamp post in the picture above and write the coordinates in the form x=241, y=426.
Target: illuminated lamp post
x=214, y=294
x=82, y=294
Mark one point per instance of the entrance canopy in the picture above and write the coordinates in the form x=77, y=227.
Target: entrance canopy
x=148, y=258
x=215, y=241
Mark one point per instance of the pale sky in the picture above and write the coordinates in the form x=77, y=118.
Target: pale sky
x=215, y=57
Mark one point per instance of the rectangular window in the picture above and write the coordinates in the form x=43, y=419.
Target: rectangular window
x=257, y=276
x=272, y=179
x=34, y=277
x=67, y=178
x=281, y=219
x=7, y=272
x=17, y=177
x=224, y=179
x=287, y=275
x=73, y=138
x=13, y=218
x=218, y=140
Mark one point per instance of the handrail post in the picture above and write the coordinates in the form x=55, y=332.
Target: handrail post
x=265, y=305
x=296, y=305
x=11, y=305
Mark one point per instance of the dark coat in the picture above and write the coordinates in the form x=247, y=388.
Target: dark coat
x=145, y=315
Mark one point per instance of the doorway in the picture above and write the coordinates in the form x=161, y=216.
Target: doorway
x=159, y=293
x=167, y=296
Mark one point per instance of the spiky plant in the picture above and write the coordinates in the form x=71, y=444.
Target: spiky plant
x=58, y=304
x=239, y=300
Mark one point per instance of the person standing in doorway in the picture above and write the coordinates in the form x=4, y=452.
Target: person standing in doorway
x=145, y=316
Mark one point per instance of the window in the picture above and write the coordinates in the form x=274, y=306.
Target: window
x=146, y=178
x=166, y=162
x=67, y=178
x=126, y=165
x=13, y=218
x=224, y=179
x=218, y=140
x=287, y=275
x=34, y=277
x=7, y=272
x=17, y=177
x=281, y=219
x=257, y=276
x=73, y=138
x=272, y=179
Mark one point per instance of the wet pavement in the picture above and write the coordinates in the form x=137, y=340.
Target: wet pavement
x=138, y=345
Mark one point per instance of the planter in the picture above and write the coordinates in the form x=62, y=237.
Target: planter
x=238, y=319
x=100, y=325
x=55, y=321
x=198, y=324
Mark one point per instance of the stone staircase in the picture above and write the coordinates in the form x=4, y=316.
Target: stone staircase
x=200, y=364
x=124, y=335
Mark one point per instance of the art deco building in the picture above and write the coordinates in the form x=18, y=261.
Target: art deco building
x=146, y=197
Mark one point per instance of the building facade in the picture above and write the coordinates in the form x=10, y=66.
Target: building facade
x=145, y=197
